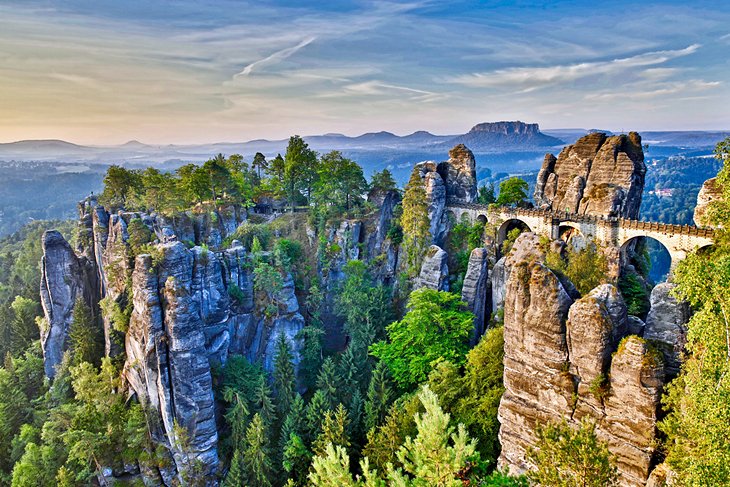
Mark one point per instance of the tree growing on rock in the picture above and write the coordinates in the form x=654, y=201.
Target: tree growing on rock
x=512, y=192
x=415, y=221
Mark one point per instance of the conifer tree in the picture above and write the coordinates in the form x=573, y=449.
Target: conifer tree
x=294, y=424
x=262, y=402
x=84, y=335
x=355, y=413
x=380, y=395
x=284, y=378
x=236, y=417
x=316, y=410
x=236, y=474
x=415, y=222
x=350, y=374
x=256, y=455
x=334, y=431
x=328, y=382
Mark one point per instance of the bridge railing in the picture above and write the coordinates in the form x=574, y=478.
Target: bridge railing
x=670, y=228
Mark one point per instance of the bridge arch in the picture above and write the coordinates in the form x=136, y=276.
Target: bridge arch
x=481, y=219
x=508, y=226
x=571, y=234
x=651, y=255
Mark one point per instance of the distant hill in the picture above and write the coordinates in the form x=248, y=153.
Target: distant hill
x=499, y=136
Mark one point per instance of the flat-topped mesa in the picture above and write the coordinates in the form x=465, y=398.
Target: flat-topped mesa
x=598, y=175
x=507, y=128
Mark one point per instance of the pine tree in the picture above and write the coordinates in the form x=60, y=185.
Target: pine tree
x=236, y=417
x=316, y=410
x=296, y=460
x=256, y=455
x=84, y=335
x=294, y=424
x=380, y=395
x=355, y=412
x=236, y=475
x=334, y=431
x=262, y=402
x=415, y=221
x=350, y=373
x=328, y=382
x=284, y=378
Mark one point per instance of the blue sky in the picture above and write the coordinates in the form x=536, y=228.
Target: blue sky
x=189, y=71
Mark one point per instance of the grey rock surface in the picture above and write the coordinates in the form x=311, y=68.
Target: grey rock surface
x=434, y=270
x=476, y=290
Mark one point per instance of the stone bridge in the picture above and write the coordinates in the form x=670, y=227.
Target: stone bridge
x=679, y=240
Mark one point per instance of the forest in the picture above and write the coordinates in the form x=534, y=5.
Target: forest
x=409, y=400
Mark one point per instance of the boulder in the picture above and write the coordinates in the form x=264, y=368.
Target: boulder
x=711, y=191
x=598, y=175
x=434, y=270
x=459, y=174
x=666, y=325
x=475, y=290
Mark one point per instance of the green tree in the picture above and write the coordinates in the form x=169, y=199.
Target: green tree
x=312, y=335
x=512, y=192
x=121, y=186
x=438, y=452
x=316, y=409
x=328, y=383
x=284, y=377
x=194, y=183
x=382, y=182
x=380, y=396
x=436, y=327
x=340, y=182
x=23, y=325
x=415, y=221
x=85, y=335
x=262, y=403
x=259, y=163
x=698, y=400
x=256, y=455
x=486, y=195
x=294, y=425
x=567, y=457
x=334, y=430
x=300, y=168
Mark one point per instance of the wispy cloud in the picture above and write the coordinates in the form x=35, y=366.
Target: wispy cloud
x=275, y=57
x=657, y=91
x=528, y=78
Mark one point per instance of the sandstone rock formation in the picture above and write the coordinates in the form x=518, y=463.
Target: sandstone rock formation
x=459, y=174
x=495, y=136
x=476, y=290
x=454, y=179
x=65, y=278
x=666, y=325
x=598, y=175
x=710, y=192
x=434, y=270
x=568, y=360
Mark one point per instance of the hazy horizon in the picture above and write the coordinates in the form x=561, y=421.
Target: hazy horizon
x=236, y=71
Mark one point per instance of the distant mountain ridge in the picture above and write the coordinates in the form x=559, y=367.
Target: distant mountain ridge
x=483, y=138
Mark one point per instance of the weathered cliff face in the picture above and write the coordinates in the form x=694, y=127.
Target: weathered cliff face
x=434, y=270
x=567, y=359
x=598, y=175
x=453, y=179
x=460, y=174
x=476, y=290
x=65, y=278
x=666, y=325
x=710, y=192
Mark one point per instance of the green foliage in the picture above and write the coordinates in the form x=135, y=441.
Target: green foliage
x=287, y=253
x=436, y=327
x=328, y=382
x=586, y=268
x=236, y=294
x=472, y=396
x=86, y=341
x=486, y=194
x=512, y=192
x=340, y=184
x=267, y=284
x=300, y=169
x=510, y=239
x=567, y=457
x=256, y=453
x=699, y=399
x=334, y=431
x=382, y=182
x=121, y=186
x=415, y=221
x=380, y=396
x=284, y=377
x=635, y=294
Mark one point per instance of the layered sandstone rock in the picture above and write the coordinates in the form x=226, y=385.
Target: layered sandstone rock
x=598, y=175
x=476, y=290
x=65, y=278
x=568, y=360
x=711, y=191
x=434, y=270
x=459, y=174
x=666, y=325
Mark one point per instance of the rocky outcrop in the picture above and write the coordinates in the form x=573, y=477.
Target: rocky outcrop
x=598, y=175
x=526, y=247
x=711, y=191
x=666, y=325
x=460, y=174
x=568, y=360
x=476, y=290
x=65, y=278
x=434, y=270
x=500, y=136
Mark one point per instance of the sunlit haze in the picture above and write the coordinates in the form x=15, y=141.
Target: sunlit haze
x=192, y=72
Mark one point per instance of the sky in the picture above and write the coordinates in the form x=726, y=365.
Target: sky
x=197, y=71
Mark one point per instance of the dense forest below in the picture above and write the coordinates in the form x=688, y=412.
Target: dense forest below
x=390, y=385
